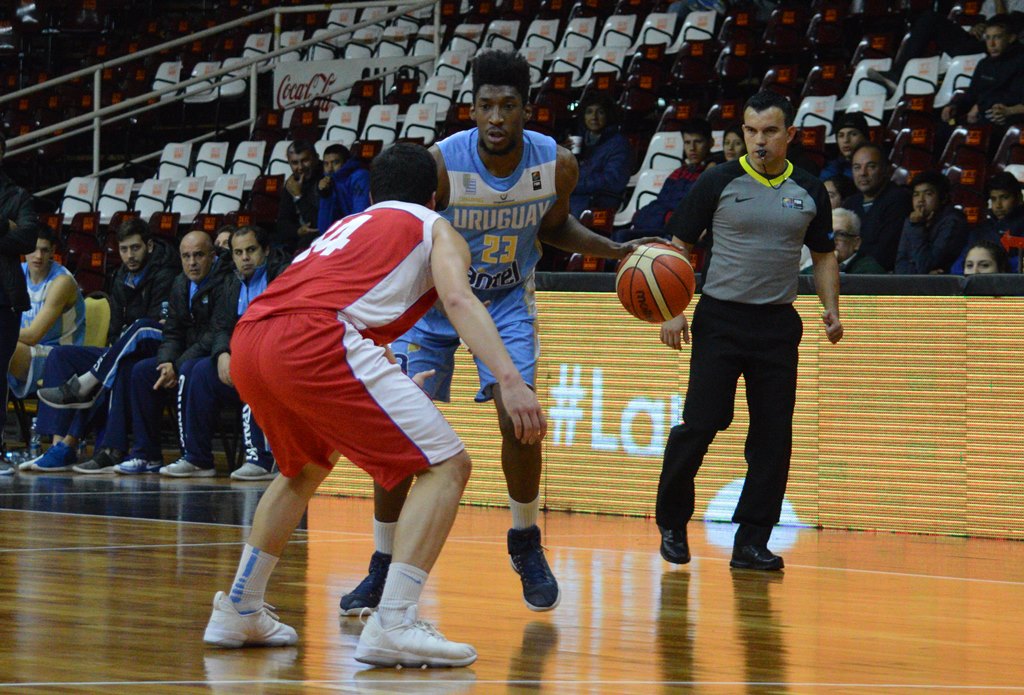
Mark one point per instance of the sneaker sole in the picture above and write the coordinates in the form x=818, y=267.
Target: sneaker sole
x=79, y=469
x=144, y=472
x=748, y=566
x=390, y=658
x=355, y=612
x=235, y=641
x=201, y=473
x=54, y=469
x=269, y=476
x=532, y=607
x=68, y=406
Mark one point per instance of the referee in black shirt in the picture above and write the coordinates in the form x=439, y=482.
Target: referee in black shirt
x=759, y=210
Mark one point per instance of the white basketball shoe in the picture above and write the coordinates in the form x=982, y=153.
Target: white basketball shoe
x=412, y=643
x=229, y=628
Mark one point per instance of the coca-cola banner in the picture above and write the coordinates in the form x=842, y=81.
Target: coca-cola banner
x=295, y=82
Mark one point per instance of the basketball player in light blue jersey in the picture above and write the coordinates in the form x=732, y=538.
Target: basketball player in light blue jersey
x=56, y=315
x=505, y=189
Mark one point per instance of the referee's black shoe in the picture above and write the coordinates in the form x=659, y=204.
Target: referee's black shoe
x=754, y=557
x=674, y=547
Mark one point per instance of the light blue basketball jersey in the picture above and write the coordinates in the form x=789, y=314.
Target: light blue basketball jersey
x=69, y=329
x=499, y=217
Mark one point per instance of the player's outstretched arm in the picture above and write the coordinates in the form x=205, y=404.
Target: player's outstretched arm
x=449, y=263
x=563, y=231
x=826, y=283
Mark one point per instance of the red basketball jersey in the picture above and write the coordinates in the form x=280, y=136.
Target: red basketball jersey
x=371, y=268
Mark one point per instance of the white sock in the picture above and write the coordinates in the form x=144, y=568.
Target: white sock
x=524, y=514
x=401, y=590
x=384, y=536
x=251, y=579
x=87, y=382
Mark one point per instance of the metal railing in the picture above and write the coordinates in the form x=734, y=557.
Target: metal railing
x=114, y=113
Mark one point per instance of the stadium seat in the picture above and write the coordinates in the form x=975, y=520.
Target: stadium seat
x=958, y=76
x=265, y=198
x=152, y=197
x=362, y=43
x=814, y=111
x=114, y=198
x=226, y=195
x=249, y=158
x=1011, y=148
x=658, y=28
x=568, y=59
x=502, y=34
x=440, y=90
x=203, y=92
x=257, y=44
x=466, y=37
x=580, y=33
x=343, y=124
x=167, y=74
x=871, y=105
x=212, y=160
x=420, y=122
x=860, y=85
x=381, y=124
x=288, y=39
x=542, y=33
x=278, y=163
x=699, y=25
x=617, y=31
x=920, y=76
x=79, y=196
x=664, y=153
x=324, y=48
x=646, y=190
x=604, y=59
x=304, y=123
x=188, y=197
x=175, y=162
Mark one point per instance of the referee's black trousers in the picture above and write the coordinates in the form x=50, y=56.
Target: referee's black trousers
x=729, y=339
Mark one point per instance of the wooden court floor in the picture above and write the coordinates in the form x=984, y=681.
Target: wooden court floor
x=105, y=586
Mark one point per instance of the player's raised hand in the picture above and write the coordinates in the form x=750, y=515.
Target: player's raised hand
x=522, y=406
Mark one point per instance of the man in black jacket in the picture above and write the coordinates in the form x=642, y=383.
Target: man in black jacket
x=880, y=204
x=85, y=386
x=19, y=228
x=209, y=385
x=187, y=339
x=300, y=202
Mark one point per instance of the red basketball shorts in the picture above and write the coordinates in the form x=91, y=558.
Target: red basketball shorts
x=318, y=389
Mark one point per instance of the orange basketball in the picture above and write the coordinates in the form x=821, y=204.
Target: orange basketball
x=655, y=282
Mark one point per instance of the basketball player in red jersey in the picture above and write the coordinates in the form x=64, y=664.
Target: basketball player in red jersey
x=308, y=358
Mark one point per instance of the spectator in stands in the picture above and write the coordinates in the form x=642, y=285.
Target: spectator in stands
x=953, y=39
x=300, y=204
x=881, y=205
x=20, y=228
x=187, y=339
x=839, y=188
x=934, y=231
x=209, y=386
x=222, y=239
x=56, y=315
x=994, y=95
x=651, y=218
x=733, y=145
x=851, y=130
x=88, y=386
x=1005, y=216
x=345, y=189
x=846, y=228
x=606, y=157
x=986, y=257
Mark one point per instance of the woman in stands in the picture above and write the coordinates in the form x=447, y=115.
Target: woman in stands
x=605, y=158
x=986, y=257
